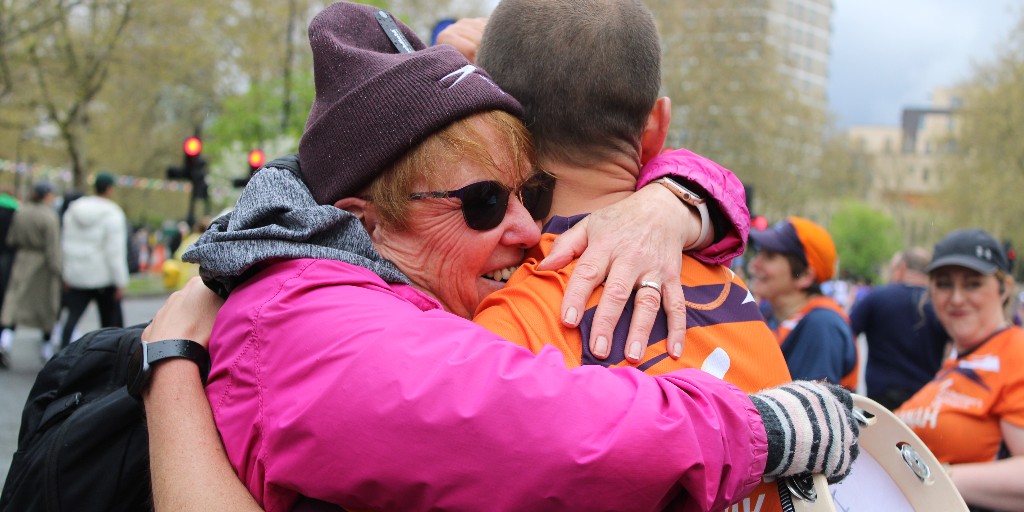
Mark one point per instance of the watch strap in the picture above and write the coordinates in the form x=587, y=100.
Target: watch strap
x=142, y=360
x=180, y=348
x=693, y=199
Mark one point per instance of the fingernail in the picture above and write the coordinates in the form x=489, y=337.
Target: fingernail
x=677, y=349
x=634, y=351
x=570, y=316
x=601, y=347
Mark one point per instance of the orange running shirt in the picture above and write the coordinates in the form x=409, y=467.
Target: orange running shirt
x=725, y=332
x=957, y=414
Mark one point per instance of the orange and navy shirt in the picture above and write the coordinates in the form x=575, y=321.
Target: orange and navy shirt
x=725, y=332
x=821, y=347
x=958, y=413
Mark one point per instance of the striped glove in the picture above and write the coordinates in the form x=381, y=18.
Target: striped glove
x=810, y=429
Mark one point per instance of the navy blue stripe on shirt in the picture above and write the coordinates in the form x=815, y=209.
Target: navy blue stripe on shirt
x=737, y=307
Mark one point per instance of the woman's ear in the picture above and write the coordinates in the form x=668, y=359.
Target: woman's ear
x=362, y=209
x=805, y=279
x=1005, y=287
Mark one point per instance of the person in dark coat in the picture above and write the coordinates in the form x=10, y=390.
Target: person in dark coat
x=33, y=295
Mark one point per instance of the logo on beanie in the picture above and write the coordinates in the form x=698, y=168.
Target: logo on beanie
x=465, y=71
x=462, y=72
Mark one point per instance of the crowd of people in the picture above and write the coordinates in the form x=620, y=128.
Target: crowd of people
x=60, y=260
x=390, y=328
x=942, y=351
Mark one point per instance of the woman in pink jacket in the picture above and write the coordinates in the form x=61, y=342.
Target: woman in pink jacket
x=340, y=373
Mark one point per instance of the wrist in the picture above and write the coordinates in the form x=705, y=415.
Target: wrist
x=170, y=377
x=147, y=357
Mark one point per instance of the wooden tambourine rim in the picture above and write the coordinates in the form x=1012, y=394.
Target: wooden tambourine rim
x=881, y=437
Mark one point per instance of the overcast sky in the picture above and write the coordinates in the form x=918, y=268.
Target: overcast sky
x=887, y=54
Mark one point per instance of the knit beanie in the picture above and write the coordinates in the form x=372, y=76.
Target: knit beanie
x=379, y=93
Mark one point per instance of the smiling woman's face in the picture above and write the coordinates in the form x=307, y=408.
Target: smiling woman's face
x=440, y=253
x=968, y=304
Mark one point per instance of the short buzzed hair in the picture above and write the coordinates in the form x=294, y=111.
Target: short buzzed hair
x=916, y=259
x=587, y=72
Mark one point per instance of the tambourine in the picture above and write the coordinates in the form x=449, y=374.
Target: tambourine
x=895, y=472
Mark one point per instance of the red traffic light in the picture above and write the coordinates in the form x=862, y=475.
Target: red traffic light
x=759, y=223
x=193, y=146
x=257, y=158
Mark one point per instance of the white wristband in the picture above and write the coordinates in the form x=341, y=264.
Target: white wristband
x=689, y=197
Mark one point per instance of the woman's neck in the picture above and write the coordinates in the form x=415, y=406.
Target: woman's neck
x=967, y=345
x=787, y=305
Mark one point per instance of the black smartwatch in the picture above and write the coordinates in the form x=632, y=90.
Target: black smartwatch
x=140, y=364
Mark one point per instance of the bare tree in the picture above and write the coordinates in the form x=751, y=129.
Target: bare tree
x=71, y=62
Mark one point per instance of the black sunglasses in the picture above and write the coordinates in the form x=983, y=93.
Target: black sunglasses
x=484, y=203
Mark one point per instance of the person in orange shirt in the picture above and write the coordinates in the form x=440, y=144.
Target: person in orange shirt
x=971, y=415
x=725, y=333
x=793, y=258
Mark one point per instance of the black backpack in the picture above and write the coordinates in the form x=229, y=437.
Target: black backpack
x=83, y=443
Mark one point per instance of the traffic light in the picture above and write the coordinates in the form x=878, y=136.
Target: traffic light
x=194, y=170
x=256, y=160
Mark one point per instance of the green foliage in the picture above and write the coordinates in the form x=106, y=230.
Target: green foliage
x=989, y=162
x=254, y=117
x=865, y=239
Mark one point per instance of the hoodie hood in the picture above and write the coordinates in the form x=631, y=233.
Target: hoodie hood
x=276, y=217
x=90, y=211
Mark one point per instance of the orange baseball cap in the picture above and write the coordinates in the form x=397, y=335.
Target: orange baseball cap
x=804, y=238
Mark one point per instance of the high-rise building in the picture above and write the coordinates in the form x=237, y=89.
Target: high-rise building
x=748, y=82
x=802, y=33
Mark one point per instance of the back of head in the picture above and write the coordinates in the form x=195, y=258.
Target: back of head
x=40, y=190
x=379, y=93
x=104, y=182
x=916, y=259
x=587, y=72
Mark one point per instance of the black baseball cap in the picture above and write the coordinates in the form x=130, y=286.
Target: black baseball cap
x=970, y=248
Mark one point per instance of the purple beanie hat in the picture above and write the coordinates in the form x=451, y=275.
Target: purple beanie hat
x=374, y=103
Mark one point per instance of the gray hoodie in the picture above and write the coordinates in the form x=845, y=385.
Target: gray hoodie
x=276, y=217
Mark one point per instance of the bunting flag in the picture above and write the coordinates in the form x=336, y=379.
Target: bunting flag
x=63, y=175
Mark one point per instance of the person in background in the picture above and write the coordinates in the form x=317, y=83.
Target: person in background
x=33, y=296
x=793, y=258
x=971, y=414
x=8, y=207
x=95, y=247
x=906, y=342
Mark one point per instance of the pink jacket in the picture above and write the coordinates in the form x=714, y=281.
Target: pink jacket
x=329, y=383
x=723, y=187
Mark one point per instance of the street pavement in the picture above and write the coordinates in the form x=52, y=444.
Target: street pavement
x=16, y=381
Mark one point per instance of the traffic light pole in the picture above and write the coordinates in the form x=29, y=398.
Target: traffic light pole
x=194, y=170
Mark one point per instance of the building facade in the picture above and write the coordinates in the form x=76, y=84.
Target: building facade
x=907, y=174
